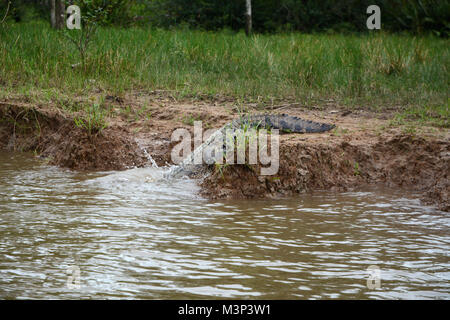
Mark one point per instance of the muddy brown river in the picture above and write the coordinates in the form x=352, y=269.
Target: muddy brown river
x=133, y=235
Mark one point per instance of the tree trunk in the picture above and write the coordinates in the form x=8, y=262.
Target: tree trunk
x=248, y=16
x=58, y=13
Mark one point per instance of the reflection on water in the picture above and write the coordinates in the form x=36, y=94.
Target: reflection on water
x=133, y=235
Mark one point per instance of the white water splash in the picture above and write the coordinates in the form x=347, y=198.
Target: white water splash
x=150, y=159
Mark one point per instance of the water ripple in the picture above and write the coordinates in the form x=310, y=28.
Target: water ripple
x=134, y=235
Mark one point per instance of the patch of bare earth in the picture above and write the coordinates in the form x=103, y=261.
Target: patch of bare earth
x=363, y=149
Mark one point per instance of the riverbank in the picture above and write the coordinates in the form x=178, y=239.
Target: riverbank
x=364, y=149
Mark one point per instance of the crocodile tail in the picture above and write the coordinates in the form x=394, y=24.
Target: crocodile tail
x=289, y=123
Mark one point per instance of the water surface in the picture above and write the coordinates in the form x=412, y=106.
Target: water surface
x=133, y=236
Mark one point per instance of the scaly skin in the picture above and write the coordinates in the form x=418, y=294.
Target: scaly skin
x=282, y=122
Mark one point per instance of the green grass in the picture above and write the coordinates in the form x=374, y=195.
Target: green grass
x=438, y=116
x=93, y=121
x=375, y=71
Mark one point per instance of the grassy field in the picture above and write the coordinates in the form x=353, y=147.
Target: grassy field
x=375, y=71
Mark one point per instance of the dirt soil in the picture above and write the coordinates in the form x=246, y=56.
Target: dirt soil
x=363, y=149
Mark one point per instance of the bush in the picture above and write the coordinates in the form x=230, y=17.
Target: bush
x=112, y=12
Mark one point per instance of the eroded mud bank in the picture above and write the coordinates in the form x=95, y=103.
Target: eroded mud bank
x=54, y=136
x=361, y=150
x=341, y=164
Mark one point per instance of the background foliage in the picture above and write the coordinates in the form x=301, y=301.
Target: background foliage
x=415, y=16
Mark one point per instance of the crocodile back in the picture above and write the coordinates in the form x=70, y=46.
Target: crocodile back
x=283, y=122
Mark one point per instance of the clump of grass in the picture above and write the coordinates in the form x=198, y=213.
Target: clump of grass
x=338, y=131
x=395, y=65
x=437, y=116
x=421, y=54
x=356, y=170
x=189, y=119
x=93, y=121
x=220, y=169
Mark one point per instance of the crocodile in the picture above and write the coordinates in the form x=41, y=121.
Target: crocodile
x=283, y=122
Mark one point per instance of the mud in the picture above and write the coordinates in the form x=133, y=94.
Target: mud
x=363, y=149
x=55, y=137
x=399, y=161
